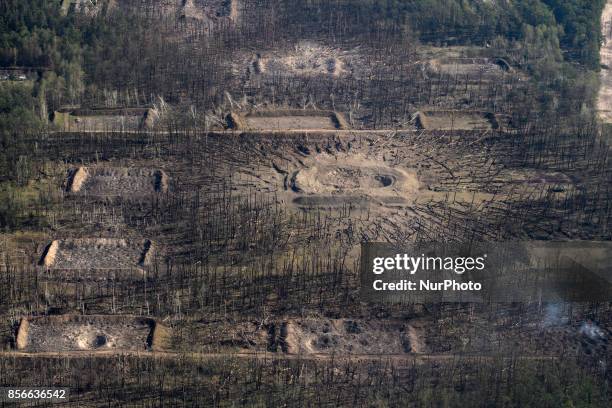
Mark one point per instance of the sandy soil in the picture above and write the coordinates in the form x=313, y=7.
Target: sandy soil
x=191, y=10
x=336, y=180
x=604, y=102
x=290, y=122
x=354, y=175
x=303, y=59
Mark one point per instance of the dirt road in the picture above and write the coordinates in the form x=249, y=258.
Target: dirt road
x=604, y=102
x=406, y=358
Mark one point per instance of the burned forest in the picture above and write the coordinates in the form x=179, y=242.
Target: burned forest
x=189, y=188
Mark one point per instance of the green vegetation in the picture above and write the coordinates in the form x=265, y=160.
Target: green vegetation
x=18, y=119
x=581, y=28
x=576, y=24
x=19, y=122
x=33, y=33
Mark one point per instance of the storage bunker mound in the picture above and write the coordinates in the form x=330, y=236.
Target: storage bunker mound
x=98, y=253
x=456, y=120
x=330, y=181
x=208, y=10
x=87, y=8
x=116, y=181
x=304, y=59
x=346, y=336
x=105, y=119
x=90, y=333
x=287, y=119
x=197, y=11
x=476, y=68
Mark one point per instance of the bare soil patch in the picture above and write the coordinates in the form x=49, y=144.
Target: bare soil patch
x=97, y=253
x=304, y=59
x=104, y=119
x=202, y=13
x=197, y=11
x=116, y=181
x=456, y=120
x=290, y=122
x=337, y=180
x=287, y=119
x=484, y=68
x=191, y=10
x=350, y=336
x=86, y=7
x=90, y=333
x=209, y=10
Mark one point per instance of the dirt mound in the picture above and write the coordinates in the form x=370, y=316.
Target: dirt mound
x=197, y=12
x=351, y=336
x=90, y=333
x=213, y=8
x=87, y=8
x=287, y=119
x=116, y=181
x=191, y=10
x=104, y=119
x=482, y=68
x=76, y=179
x=303, y=59
x=456, y=120
x=98, y=253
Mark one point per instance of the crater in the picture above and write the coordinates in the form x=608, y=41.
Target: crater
x=100, y=341
x=353, y=179
x=385, y=180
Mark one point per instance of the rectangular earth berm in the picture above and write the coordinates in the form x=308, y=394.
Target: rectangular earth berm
x=98, y=253
x=102, y=181
x=104, y=119
x=287, y=119
x=92, y=333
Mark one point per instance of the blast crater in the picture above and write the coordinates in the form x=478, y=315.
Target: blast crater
x=354, y=179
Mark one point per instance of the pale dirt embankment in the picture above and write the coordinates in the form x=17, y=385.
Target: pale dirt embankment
x=604, y=102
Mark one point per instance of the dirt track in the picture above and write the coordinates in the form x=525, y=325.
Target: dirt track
x=237, y=132
x=604, y=102
x=419, y=358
